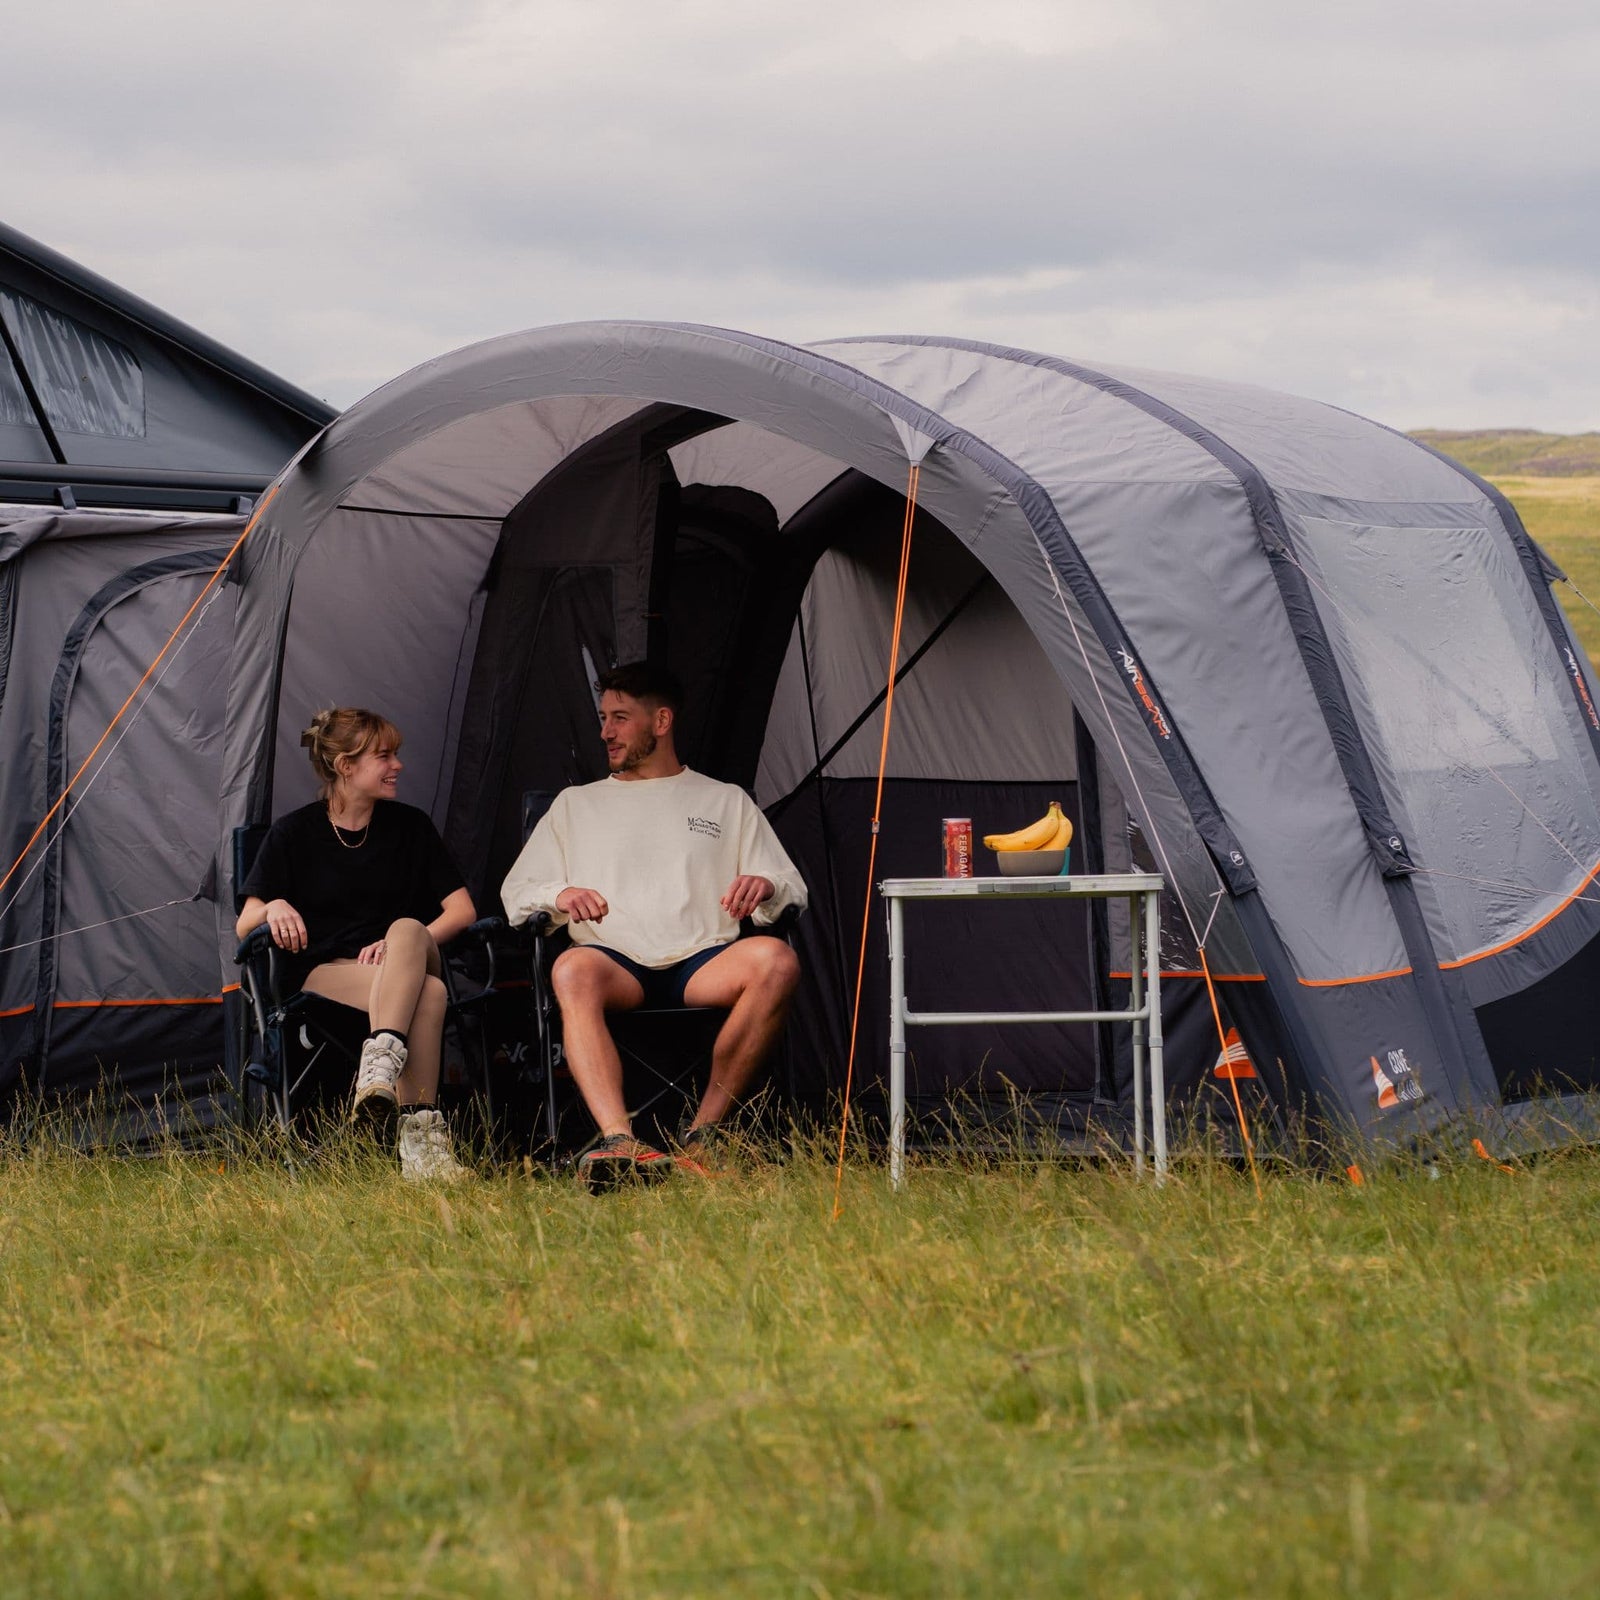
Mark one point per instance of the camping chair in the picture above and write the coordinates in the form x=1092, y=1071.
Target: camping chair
x=666, y=1052
x=296, y=1050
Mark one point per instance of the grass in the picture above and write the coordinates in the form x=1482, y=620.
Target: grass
x=1563, y=514
x=221, y=1377
x=1518, y=452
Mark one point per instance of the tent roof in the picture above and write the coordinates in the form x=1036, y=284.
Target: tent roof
x=106, y=398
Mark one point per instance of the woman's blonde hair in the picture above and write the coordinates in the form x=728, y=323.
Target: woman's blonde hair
x=344, y=731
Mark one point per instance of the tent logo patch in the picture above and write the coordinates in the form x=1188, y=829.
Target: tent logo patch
x=1146, y=699
x=1234, y=1060
x=1395, y=1080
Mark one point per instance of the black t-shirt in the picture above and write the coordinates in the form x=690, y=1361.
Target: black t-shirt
x=348, y=897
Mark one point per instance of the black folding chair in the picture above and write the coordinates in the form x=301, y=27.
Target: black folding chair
x=297, y=1052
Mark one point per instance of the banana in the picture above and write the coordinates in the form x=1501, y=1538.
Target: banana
x=1063, y=835
x=1040, y=835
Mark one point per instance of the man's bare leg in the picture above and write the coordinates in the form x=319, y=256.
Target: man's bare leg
x=587, y=984
x=754, y=979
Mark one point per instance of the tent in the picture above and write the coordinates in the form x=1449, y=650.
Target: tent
x=1307, y=669
x=106, y=400
x=130, y=448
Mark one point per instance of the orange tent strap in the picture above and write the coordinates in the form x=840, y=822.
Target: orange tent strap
x=877, y=810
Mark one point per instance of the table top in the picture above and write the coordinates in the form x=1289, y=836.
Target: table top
x=1081, y=884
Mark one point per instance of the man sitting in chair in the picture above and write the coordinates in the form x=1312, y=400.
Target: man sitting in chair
x=653, y=868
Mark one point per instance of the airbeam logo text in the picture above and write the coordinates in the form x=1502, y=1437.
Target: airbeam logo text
x=1581, y=687
x=1146, y=699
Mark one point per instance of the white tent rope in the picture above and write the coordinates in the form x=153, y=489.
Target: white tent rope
x=83, y=793
x=89, y=927
x=1145, y=818
x=1510, y=886
x=1580, y=594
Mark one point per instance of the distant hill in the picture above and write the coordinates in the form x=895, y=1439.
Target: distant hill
x=1518, y=452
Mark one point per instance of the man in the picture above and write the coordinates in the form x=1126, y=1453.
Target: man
x=653, y=868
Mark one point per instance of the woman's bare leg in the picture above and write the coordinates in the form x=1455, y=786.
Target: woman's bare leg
x=403, y=994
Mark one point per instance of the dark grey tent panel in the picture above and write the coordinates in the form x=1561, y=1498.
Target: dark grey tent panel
x=108, y=924
x=1301, y=666
x=106, y=400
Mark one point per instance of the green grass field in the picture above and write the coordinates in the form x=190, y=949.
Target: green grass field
x=224, y=1378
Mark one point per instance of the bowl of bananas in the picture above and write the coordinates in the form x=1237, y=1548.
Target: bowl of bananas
x=1033, y=863
x=1041, y=850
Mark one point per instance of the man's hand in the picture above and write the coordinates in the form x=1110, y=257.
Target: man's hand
x=285, y=925
x=744, y=894
x=582, y=905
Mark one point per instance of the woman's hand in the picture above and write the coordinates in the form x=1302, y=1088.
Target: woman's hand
x=372, y=955
x=287, y=928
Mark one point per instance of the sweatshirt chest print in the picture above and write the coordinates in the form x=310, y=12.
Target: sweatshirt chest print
x=712, y=830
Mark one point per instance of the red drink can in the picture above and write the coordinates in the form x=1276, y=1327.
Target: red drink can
x=958, y=847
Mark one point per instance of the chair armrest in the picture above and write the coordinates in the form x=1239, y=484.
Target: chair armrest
x=260, y=955
x=255, y=943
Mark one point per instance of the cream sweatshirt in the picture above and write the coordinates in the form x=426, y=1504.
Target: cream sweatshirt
x=663, y=852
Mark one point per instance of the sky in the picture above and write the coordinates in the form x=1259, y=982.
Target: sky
x=1391, y=206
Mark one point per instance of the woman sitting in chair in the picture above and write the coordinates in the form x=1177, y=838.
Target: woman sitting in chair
x=359, y=891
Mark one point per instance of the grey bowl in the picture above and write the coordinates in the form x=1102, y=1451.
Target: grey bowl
x=1031, y=863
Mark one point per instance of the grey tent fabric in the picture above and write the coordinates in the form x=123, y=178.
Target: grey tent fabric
x=1252, y=604
x=108, y=925
x=107, y=400
x=108, y=921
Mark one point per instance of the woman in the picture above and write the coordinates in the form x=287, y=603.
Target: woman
x=359, y=891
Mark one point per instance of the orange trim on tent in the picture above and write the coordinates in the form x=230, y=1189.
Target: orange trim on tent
x=16, y=1011
x=1365, y=977
x=1549, y=917
x=88, y=1005
x=1216, y=977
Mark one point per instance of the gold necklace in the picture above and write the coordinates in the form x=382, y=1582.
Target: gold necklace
x=341, y=838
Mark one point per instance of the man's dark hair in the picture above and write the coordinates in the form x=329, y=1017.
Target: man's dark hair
x=644, y=681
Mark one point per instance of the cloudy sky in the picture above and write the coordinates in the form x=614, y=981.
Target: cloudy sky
x=1390, y=204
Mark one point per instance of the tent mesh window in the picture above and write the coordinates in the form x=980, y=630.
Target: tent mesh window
x=86, y=382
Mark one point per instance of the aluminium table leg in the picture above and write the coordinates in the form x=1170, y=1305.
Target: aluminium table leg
x=1158, y=1078
x=897, y=1047
x=1136, y=983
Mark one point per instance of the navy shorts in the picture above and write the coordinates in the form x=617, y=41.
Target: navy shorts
x=663, y=986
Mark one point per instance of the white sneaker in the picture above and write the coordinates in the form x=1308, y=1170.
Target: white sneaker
x=383, y=1059
x=425, y=1155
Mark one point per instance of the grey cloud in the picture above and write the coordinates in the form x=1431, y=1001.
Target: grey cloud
x=343, y=189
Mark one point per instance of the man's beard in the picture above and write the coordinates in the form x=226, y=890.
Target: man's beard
x=636, y=753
